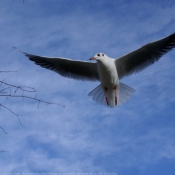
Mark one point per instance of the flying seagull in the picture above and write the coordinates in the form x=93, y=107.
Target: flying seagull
x=110, y=92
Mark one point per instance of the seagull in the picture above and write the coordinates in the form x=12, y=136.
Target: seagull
x=108, y=71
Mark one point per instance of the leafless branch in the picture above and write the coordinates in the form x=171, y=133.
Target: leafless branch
x=3, y=130
x=11, y=91
x=33, y=98
x=8, y=90
x=3, y=91
x=11, y=112
x=24, y=96
x=23, y=88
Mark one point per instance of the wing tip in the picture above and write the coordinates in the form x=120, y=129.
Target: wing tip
x=16, y=48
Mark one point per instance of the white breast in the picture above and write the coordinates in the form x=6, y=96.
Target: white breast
x=108, y=73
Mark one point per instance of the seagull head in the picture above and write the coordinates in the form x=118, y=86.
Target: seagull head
x=98, y=57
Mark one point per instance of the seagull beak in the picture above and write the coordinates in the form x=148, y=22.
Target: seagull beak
x=93, y=58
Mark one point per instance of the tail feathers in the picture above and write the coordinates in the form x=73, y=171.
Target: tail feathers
x=97, y=95
x=125, y=92
x=123, y=95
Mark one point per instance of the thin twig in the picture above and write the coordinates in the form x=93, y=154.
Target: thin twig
x=33, y=98
x=2, y=90
x=12, y=112
x=20, y=87
x=11, y=91
x=3, y=130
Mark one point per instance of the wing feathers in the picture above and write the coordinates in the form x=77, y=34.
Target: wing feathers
x=143, y=57
x=80, y=70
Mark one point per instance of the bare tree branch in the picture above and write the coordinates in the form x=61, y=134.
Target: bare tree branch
x=12, y=91
x=3, y=130
x=2, y=91
x=24, y=96
x=9, y=90
x=23, y=88
x=33, y=98
x=11, y=112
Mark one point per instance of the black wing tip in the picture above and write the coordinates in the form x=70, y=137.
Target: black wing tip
x=17, y=49
x=26, y=54
x=30, y=56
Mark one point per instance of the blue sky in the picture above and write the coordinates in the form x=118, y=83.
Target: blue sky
x=135, y=138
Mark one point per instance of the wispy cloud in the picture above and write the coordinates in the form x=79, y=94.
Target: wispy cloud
x=85, y=136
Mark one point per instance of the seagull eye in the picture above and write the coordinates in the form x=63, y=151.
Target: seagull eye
x=103, y=55
x=98, y=55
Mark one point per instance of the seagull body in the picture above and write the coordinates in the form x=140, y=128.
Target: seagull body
x=107, y=71
x=108, y=77
x=111, y=92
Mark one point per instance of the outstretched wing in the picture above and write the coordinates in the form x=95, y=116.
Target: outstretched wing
x=148, y=54
x=80, y=70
